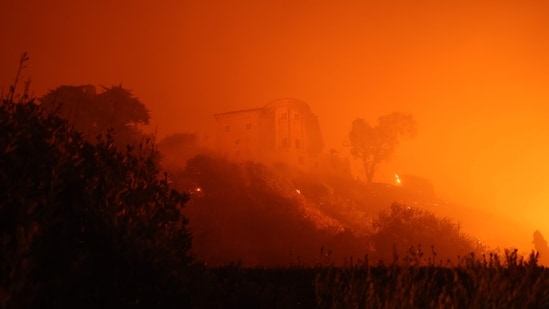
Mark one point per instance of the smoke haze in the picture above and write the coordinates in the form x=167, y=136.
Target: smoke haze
x=474, y=75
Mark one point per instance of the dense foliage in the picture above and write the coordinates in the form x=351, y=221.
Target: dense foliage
x=84, y=223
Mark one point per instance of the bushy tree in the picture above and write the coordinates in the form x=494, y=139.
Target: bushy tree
x=93, y=113
x=375, y=144
x=80, y=223
x=409, y=233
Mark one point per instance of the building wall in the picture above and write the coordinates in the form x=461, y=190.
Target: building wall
x=237, y=134
x=283, y=131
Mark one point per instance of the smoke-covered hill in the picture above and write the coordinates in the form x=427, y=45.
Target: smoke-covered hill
x=276, y=215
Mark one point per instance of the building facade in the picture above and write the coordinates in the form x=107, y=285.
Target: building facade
x=284, y=131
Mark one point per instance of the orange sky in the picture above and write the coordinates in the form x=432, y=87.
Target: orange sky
x=475, y=74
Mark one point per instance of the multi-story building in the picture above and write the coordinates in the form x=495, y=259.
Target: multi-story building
x=284, y=131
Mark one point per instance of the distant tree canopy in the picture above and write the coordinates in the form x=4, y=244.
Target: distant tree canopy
x=375, y=144
x=93, y=113
x=83, y=223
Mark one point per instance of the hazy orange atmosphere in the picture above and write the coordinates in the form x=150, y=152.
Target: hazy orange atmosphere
x=475, y=75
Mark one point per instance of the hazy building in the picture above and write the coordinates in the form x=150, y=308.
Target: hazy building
x=284, y=131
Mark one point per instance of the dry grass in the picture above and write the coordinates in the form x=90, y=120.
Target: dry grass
x=475, y=282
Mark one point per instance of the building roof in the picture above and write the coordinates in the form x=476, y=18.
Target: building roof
x=274, y=103
x=239, y=111
x=288, y=102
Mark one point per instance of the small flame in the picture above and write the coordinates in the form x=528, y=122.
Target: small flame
x=397, y=179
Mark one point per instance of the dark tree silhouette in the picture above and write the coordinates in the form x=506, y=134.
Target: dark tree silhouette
x=375, y=144
x=93, y=113
x=84, y=224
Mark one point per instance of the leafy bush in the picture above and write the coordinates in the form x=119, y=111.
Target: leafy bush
x=81, y=223
x=408, y=231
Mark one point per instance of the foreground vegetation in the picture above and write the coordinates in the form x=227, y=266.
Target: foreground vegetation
x=490, y=281
x=485, y=282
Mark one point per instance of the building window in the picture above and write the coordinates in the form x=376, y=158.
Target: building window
x=300, y=160
x=284, y=115
x=248, y=126
x=297, y=144
x=227, y=128
x=237, y=141
x=296, y=117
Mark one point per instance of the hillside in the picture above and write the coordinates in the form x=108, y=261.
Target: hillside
x=274, y=216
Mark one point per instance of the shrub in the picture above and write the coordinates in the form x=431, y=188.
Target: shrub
x=412, y=232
